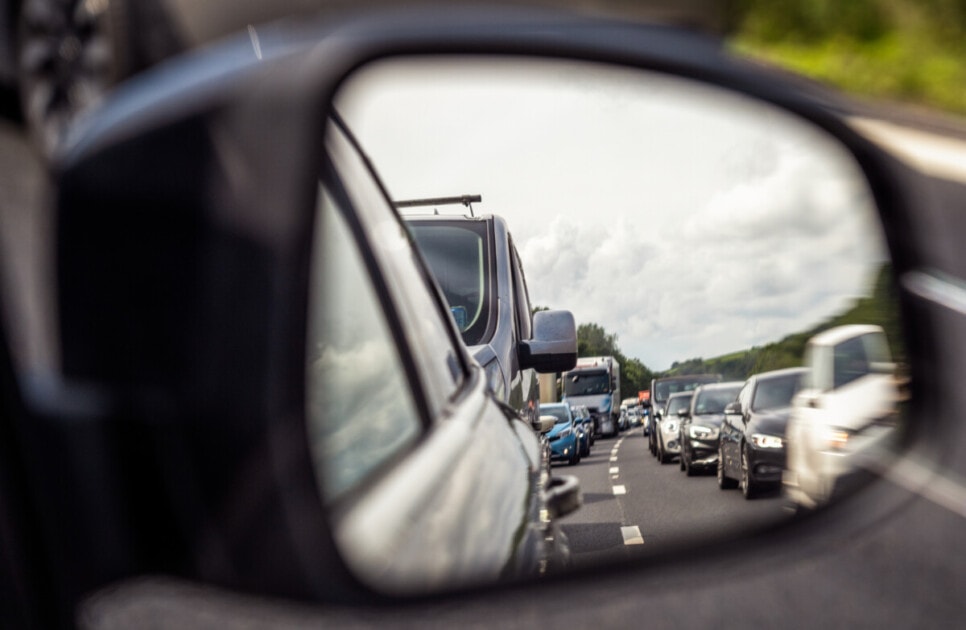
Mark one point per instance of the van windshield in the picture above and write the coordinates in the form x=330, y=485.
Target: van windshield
x=458, y=255
x=586, y=383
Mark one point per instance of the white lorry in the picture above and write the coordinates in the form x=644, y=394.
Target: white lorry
x=595, y=382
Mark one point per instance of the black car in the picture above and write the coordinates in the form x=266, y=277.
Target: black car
x=751, y=449
x=701, y=425
x=479, y=271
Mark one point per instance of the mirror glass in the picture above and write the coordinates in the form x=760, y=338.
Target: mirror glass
x=704, y=233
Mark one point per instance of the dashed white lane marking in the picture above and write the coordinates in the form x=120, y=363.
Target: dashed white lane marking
x=632, y=535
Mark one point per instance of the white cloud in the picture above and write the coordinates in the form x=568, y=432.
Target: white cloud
x=688, y=224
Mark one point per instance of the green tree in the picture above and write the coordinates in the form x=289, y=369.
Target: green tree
x=594, y=341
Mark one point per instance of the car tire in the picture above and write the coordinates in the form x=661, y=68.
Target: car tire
x=574, y=455
x=724, y=481
x=686, y=465
x=661, y=455
x=748, y=488
x=68, y=58
x=681, y=460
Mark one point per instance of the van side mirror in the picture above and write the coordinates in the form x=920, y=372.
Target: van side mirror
x=553, y=347
x=733, y=408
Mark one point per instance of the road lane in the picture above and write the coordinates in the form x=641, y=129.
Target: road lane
x=634, y=501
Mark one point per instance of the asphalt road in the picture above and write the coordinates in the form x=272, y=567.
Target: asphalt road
x=633, y=503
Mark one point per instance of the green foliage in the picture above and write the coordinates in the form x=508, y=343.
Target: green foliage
x=593, y=341
x=906, y=50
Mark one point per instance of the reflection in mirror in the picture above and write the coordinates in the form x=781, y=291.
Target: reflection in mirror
x=702, y=232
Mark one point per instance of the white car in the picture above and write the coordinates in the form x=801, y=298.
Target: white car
x=845, y=414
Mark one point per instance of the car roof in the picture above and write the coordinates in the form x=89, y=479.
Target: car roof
x=680, y=394
x=835, y=336
x=764, y=376
x=685, y=377
x=713, y=386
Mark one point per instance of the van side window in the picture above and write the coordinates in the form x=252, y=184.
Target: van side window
x=850, y=361
x=360, y=406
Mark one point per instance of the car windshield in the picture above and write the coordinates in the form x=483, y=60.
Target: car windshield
x=776, y=392
x=585, y=383
x=559, y=413
x=458, y=256
x=665, y=387
x=678, y=403
x=714, y=400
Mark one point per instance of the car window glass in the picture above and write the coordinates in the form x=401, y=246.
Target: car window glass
x=876, y=348
x=459, y=258
x=678, y=403
x=423, y=318
x=361, y=410
x=713, y=401
x=850, y=361
x=560, y=413
x=775, y=393
x=520, y=296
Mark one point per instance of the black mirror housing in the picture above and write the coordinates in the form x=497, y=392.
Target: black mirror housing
x=553, y=347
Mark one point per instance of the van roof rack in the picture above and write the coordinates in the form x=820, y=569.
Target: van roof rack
x=465, y=200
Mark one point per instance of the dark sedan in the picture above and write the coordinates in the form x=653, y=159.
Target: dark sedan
x=751, y=451
x=701, y=425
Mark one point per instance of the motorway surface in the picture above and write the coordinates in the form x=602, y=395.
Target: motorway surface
x=632, y=503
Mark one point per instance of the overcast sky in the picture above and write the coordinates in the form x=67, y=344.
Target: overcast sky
x=689, y=222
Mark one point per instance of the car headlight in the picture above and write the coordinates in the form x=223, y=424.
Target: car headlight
x=671, y=426
x=836, y=439
x=699, y=432
x=767, y=441
x=565, y=433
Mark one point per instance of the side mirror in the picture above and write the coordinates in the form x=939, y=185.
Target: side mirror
x=563, y=495
x=546, y=423
x=553, y=347
x=684, y=413
x=733, y=408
